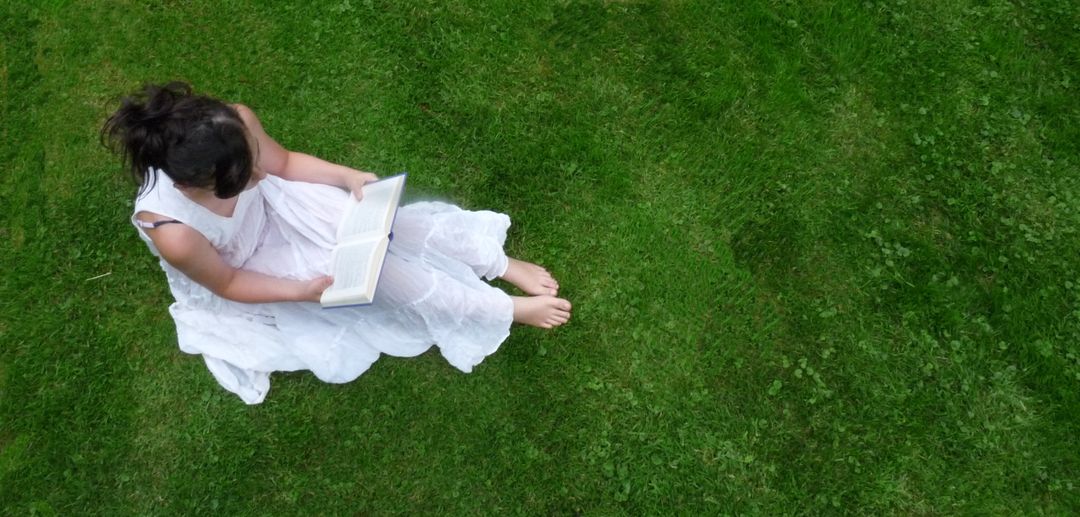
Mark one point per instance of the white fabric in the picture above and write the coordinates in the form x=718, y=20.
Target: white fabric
x=430, y=291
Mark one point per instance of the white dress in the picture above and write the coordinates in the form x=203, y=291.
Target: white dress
x=430, y=292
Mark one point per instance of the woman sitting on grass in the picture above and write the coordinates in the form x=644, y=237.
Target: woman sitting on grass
x=243, y=229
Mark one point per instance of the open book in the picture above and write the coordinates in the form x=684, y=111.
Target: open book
x=362, y=239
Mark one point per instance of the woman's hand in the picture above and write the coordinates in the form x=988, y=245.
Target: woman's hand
x=311, y=290
x=354, y=182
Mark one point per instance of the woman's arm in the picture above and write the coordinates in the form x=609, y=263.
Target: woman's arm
x=190, y=252
x=291, y=165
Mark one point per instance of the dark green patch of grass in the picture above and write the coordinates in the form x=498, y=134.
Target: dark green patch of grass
x=822, y=255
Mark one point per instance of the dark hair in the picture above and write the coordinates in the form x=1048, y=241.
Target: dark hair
x=196, y=140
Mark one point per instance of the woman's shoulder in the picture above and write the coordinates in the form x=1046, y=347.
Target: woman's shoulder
x=250, y=120
x=247, y=115
x=150, y=217
x=178, y=244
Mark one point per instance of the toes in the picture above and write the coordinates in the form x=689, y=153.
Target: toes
x=560, y=316
x=559, y=321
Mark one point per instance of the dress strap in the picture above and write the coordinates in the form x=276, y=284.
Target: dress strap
x=155, y=224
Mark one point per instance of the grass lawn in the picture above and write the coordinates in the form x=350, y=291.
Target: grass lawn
x=823, y=257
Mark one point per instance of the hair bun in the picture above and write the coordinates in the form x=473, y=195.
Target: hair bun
x=141, y=131
x=158, y=102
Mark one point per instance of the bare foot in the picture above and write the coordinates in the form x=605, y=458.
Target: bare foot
x=530, y=278
x=541, y=311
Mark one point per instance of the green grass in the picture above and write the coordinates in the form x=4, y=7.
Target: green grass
x=823, y=257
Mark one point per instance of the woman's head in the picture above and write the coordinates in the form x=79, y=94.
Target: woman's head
x=197, y=141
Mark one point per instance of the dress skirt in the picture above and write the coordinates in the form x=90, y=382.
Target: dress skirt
x=431, y=292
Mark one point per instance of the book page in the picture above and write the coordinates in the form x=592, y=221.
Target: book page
x=351, y=271
x=352, y=264
x=371, y=214
x=356, y=269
